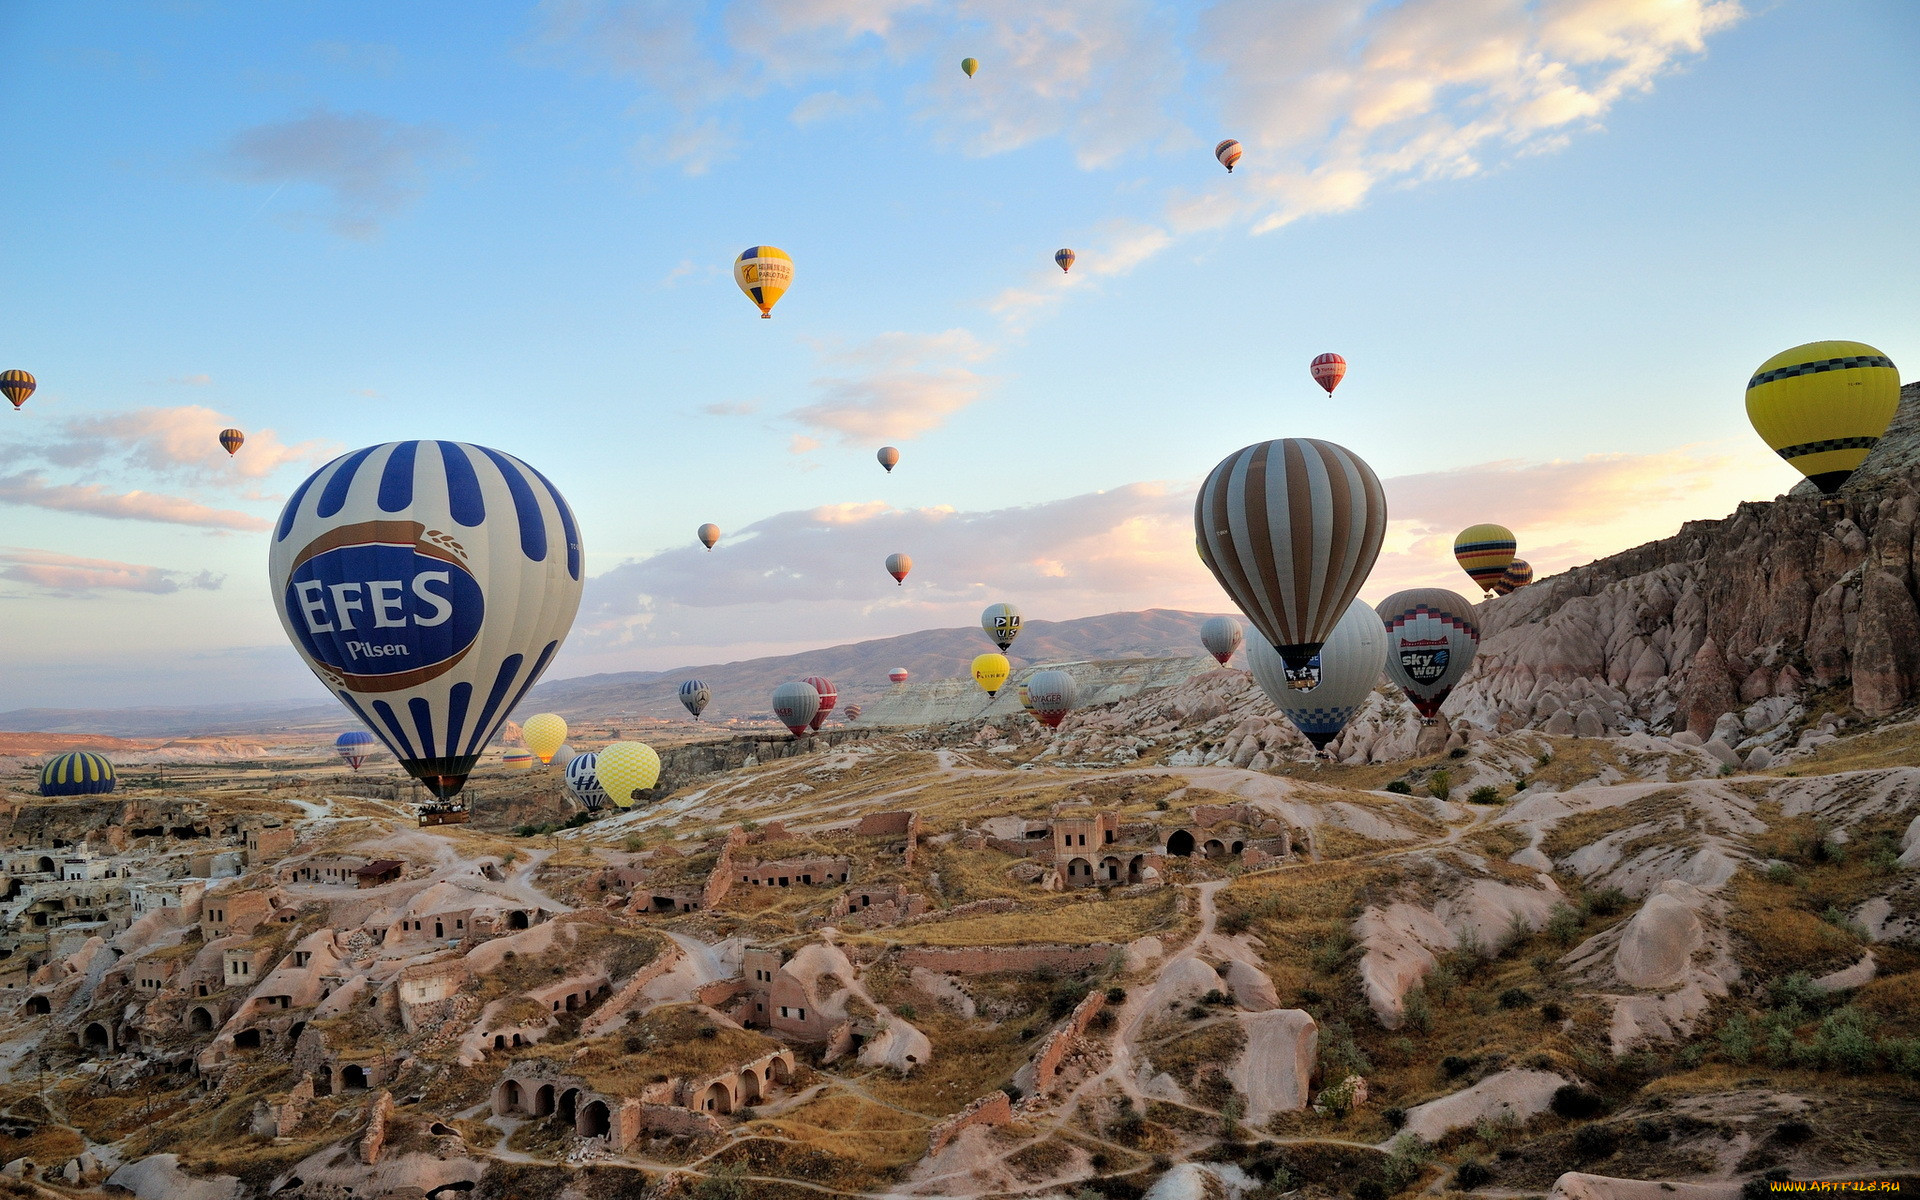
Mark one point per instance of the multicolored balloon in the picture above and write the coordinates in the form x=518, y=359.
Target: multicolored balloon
x=1001, y=623
x=16, y=386
x=709, y=535
x=898, y=675
x=1328, y=370
x=1228, y=152
x=1346, y=669
x=1484, y=552
x=583, y=781
x=1431, y=640
x=543, y=734
x=517, y=760
x=1519, y=573
x=853, y=712
x=829, y=696
x=897, y=566
x=889, y=457
x=1823, y=406
x=231, y=440
x=1291, y=528
x=1051, y=695
x=1065, y=258
x=795, y=703
x=1026, y=701
x=626, y=768
x=764, y=273
x=76, y=773
x=694, y=695
x=354, y=747
x=969, y=65
x=1221, y=636
x=990, y=671
x=427, y=584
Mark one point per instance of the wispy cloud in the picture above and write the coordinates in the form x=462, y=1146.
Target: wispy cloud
x=30, y=489
x=741, y=408
x=179, y=444
x=65, y=575
x=895, y=386
x=369, y=167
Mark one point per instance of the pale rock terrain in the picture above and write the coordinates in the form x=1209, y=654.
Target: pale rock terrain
x=1524, y=1094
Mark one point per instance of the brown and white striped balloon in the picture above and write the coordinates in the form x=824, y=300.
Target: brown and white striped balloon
x=1291, y=528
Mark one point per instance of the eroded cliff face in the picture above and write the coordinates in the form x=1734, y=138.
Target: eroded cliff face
x=1783, y=599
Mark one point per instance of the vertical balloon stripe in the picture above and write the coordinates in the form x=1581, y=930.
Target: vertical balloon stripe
x=347, y=699
x=423, y=725
x=465, y=500
x=1303, y=516
x=385, y=712
x=396, y=478
x=333, y=497
x=292, y=511
x=533, y=526
x=501, y=681
x=567, y=526
x=458, y=697
x=533, y=677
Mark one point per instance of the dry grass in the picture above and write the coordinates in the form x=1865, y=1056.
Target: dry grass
x=1497, y=841
x=1780, y=935
x=674, y=1041
x=970, y=1058
x=853, y=1128
x=1070, y=921
x=1580, y=829
x=1184, y=1055
x=967, y=875
x=1895, y=746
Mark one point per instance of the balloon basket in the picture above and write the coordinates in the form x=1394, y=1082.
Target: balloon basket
x=455, y=816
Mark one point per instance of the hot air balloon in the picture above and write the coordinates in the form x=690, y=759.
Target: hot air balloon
x=76, y=773
x=1328, y=370
x=764, y=273
x=625, y=768
x=16, y=386
x=795, y=703
x=898, y=675
x=1002, y=624
x=231, y=440
x=1483, y=552
x=1221, y=636
x=889, y=457
x=709, y=535
x=1051, y=695
x=1290, y=528
x=853, y=712
x=1431, y=641
x=1228, y=152
x=828, y=697
x=564, y=755
x=694, y=695
x=583, y=781
x=1519, y=573
x=354, y=747
x=543, y=734
x=427, y=585
x=1026, y=701
x=1065, y=258
x=969, y=65
x=1823, y=406
x=1345, y=671
x=897, y=566
x=517, y=760
x=990, y=671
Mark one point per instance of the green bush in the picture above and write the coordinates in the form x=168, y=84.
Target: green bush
x=1418, y=1012
x=1795, y=991
x=1845, y=1041
x=1780, y=873
x=1471, y=1174
x=1563, y=924
x=1736, y=1038
x=1576, y=1103
x=1400, y=787
x=1455, y=1066
x=1606, y=902
x=1515, y=998
x=1439, y=785
x=1116, y=995
x=1486, y=793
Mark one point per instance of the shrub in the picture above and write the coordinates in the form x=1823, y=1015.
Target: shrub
x=1543, y=759
x=1606, y=902
x=1736, y=1038
x=1066, y=994
x=1515, y=998
x=1216, y=996
x=1792, y=1133
x=1162, y=805
x=1400, y=787
x=1780, y=873
x=1235, y=921
x=1845, y=1041
x=1653, y=1131
x=1395, y=1117
x=1116, y=995
x=1472, y=1174
x=1457, y=752
x=1404, y=1159
x=1595, y=1141
x=1795, y=991
x=1417, y=1011
x=1127, y=1128
x=1552, y=1013
x=1455, y=1066
x=1439, y=785
x=1563, y=924
x=1576, y=1103
x=1486, y=793
x=906, y=1010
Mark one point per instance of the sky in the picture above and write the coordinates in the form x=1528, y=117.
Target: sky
x=1552, y=238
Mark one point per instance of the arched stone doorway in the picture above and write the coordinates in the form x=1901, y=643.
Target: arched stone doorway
x=247, y=1039
x=1110, y=869
x=543, y=1101
x=717, y=1100
x=749, y=1087
x=516, y=919
x=777, y=1073
x=39, y=1005
x=569, y=1107
x=1215, y=848
x=353, y=1078
x=1079, y=869
x=1133, y=867
x=511, y=1098
x=595, y=1120
x=96, y=1037
x=1180, y=843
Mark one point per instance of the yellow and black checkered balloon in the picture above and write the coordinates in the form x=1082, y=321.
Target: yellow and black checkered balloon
x=1823, y=406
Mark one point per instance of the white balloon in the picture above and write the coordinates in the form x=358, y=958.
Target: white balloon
x=1349, y=665
x=1433, y=638
x=428, y=585
x=583, y=780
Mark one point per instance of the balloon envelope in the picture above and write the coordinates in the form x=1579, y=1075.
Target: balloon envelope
x=583, y=780
x=1221, y=636
x=1519, y=573
x=889, y=457
x=1001, y=623
x=764, y=273
x=517, y=760
x=16, y=386
x=231, y=440
x=1431, y=640
x=1228, y=152
x=76, y=773
x=427, y=585
x=795, y=703
x=898, y=675
x=1347, y=669
x=625, y=768
x=1823, y=406
x=829, y=696
x=1065, y=258
x=1328, y=370
x=1051, y=695
x=1483, y=552
x=354, y=747
x=694, y=695
x=543, y=734
x=990, y=671
x=1291, y=528
x=564, y=755
x=969, y=65
x=709, y=535
x=898, y=565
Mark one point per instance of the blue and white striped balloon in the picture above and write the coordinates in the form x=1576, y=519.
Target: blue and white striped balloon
x=1345, y=671
x=583, y=780
x=428, y=584
x=694, y=695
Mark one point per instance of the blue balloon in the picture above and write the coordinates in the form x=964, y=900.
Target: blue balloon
x=76, y=773
x=694, y=695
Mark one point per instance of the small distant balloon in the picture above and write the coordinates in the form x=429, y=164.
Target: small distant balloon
x=853, y=712
x=1221, y=636
x=517, y=760
x=829, y=696
x=1328, y=370
x=1065, y=258
x=16, y=386
x=543, y=734
x=1051, y=695
x=1228, y=152
x=969, y=65
x=231, y=440
x=709, y=535
x=794, y=704
x=764, y=273
x=354, y=747
x=694, y=695
x=897, y=566
x=898, y=675
x=583, y=781
x=990, y=671
x=1483, y=552
x=1001, y=623
x=1519, y=573
x=889, y=458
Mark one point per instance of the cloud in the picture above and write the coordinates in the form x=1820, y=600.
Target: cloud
x=178, y=444
x=201, y=380
x=28, y=488
x=830, y=105
x=370, y=166
x=65, y=575
x=741, y=408
x=802, y=444
x=900, y=386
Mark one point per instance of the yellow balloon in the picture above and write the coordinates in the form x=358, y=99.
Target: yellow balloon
x=625, y=768
x=969, y=65
x=764, y=273
x=543, y=734
x=990, y=671
x=1822, y=406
